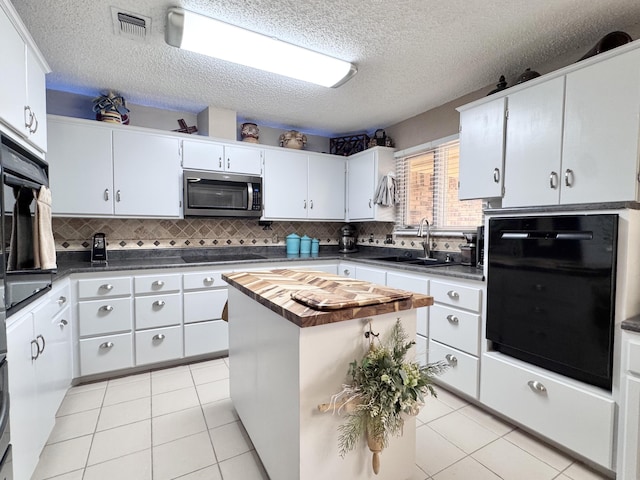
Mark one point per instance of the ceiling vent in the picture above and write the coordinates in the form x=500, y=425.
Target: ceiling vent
x=130, y=25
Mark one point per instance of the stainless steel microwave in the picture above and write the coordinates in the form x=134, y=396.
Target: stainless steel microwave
x=219, y=194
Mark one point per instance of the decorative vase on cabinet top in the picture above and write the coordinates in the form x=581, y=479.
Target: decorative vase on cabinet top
x=293, y=139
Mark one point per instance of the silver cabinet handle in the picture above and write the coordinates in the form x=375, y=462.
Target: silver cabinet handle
x=370, y=203
x=35, y=355
x=106, y=308
x=117, y=195
x=106, y=345
x=453, y=294
x=159, y=336
x=219, y=162
x=496, y=175
x=453, y=319
x=107, y=286
x=228, y=163
x=62, y=300
x=158, y=283
x=568, y=177
x=208, y=280
x=35, y=128
x=106, y=194
x=63, y=323
x=44, y=344
x=159, y=303
x=553, y=180
x=28, y=117
x=537, y=386
x=346, y=272
x=311, y=204
x=305, y=205
x=451, y=359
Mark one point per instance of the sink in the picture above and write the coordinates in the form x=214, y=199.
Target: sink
x=221, y=258
x=426, y=262
x=396, y=259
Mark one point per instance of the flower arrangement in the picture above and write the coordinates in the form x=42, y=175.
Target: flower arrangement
x=384, y=388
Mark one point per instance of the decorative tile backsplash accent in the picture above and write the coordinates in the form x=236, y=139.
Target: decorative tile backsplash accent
x=75, y=234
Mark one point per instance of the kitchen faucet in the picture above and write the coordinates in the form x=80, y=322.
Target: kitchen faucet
x=424, y=233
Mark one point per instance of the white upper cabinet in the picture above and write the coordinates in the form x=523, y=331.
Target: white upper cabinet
x=365, y=170
x=601, y=127
x=301, y=185
x=534, y=145
x=482, y=133
x=208, y=155
x=23, y=96
x=99, y=170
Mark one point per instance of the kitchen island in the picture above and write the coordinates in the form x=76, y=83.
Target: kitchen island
x=287, y=357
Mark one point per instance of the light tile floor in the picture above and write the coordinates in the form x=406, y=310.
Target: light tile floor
x=180, y=423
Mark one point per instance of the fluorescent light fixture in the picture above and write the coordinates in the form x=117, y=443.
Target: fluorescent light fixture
x=205, y=35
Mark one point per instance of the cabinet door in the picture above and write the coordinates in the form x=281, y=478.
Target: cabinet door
x=243, y=160
x=361, y=186
x=326, y=187
x=600, y=147
x=534, y=145
x=202, y=155
x=80, y=168
x=37, y=101
x=13, y=94
x=24, y=415
x=630, y=458
x=482, y=150
x=372, y=275
x=146, y=174
x=285, y=185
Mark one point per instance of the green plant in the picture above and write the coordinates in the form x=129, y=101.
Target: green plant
x=384, y=389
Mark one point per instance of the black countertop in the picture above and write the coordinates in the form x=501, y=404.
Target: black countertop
x=79, y=262
x=632, y=324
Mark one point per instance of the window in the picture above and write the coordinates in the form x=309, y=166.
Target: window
x=427, y=179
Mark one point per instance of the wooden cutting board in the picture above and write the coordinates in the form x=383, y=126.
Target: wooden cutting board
x=336, y=297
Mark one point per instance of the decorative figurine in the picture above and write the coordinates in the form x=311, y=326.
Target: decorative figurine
x=293, y=139
x=250, y=133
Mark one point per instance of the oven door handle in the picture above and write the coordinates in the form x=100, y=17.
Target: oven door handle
x=20, y=182
x=249, y=196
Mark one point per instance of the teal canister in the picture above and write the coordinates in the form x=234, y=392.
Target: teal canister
x=305, y=245
x=293, y=244
x=315, y=246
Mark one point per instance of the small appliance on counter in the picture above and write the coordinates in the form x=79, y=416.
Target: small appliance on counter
x=480, y=247
x=99, y=249
x=468, y=251
x=347, y=242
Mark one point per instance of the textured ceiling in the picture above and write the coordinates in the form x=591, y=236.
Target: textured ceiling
x=412, y=55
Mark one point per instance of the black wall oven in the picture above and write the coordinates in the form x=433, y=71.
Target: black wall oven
x=551, y=292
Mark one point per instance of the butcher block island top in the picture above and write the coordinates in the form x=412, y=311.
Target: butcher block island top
x=309, y=298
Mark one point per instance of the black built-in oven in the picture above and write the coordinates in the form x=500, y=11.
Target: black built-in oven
x=551, y=292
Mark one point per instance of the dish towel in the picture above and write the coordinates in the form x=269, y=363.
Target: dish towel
x=44, y=247
x=21, y=242
x=386, y=193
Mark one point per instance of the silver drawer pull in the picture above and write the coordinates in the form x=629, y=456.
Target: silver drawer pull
x=453, y=319
x=158, y=283
x=453, y=294
x=208, y=280
x=346, y=272
x=159, y=303
x=451, y=359
x=107, y=286
x=537, y=386
x=63, y=323
x=106, y=308
x=62, y=300
x=159, y=336
x=106, y=345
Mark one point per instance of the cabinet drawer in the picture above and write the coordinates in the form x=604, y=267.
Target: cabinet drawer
x=421, y=349
x=105, y=354
x=158, y=345
x=156, y=283
x=206, y=337
x=109, y=287
x=99, y=317
x=581, y=420
x=633, y=359
x=456, y=295
x=372, y=275
x=194, y=281
x=462, y=373
x=158, y=311
x=201, y=306
x=54, y=304
x=456, y=328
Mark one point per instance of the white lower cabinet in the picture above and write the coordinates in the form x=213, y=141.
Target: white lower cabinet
x=579, y=418
x=206, y=337
x=463, y=370
x=39, y=359
x=158, y=345
x=106, y=354
x=629, y=424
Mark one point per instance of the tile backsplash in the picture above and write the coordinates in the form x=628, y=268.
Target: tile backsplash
x=75, y=234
